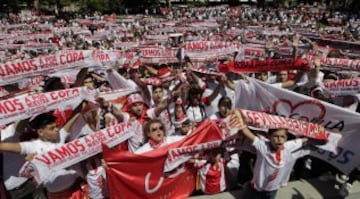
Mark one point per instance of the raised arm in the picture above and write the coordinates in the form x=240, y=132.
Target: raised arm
x=118, y=114
x=80, y=77
x=295, y=46
x=117, y=81
x=165, y=103
x=68, y=125
x=230, y=84
x=151, y=69
x=216, y=90
x=287, y=83
x=243, y=126
x=10, y=147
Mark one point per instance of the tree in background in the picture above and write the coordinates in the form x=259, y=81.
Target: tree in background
x=138, y=6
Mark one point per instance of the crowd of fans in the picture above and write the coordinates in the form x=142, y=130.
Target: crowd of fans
x=175, y=90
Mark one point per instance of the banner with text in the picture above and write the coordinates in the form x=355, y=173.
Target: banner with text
x=12, y=72
x=286, y=103
x=77, y=150
x=26, y=106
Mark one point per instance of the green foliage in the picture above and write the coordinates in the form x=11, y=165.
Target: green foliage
x=199, y=3
x=104, y=6
x=10, y=5
x=109, y=6
x=96, y=5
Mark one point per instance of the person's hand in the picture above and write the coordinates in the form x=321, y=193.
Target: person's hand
x=179, y=77
x=223, y=78
x=115, y=110
x=132, y=119
x=237, y=119
x=109, y=69
x=194, y=158
x=175, y=94
x=314, y=45
x=30, y=156
x=188, y=69
x=104, y=164
x=295, y=41
x=89, y=114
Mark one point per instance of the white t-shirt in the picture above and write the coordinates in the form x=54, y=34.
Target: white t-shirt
x=272, y=169
x=165, y=117
x=62, y=182
x=231, y=93
x=195, y=114
x=212, y=108
x=96, y=180
x=138, y=139
x=167, y=140
x=13, y=162
x=305, y=82
x=272, y=79
x=135, y=142
x=216, y=117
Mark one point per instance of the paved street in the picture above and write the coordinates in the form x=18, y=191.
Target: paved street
x=312, y=189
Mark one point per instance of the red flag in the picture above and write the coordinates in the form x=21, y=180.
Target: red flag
x=141, y=176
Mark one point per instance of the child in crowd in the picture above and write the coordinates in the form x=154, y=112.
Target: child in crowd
x=276, y=157
x=59, y=184
x=211, y=171
x=182, y=123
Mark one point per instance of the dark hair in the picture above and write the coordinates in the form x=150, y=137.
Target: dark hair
x=147, y=125
x=154, y=87
x=89, y=75
x=195, y=90
x=216, y=151
x=226, y=101
x=187, y=58
x=163, y=66
x=51, y=84
x=260, y=73
x=122, y=70
x=42, y=120
x=330, y=75
x=272, y=131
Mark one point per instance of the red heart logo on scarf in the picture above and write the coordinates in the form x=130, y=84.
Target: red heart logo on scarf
x=309, y=109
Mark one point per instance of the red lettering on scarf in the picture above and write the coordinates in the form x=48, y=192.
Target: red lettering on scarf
x=11, y=105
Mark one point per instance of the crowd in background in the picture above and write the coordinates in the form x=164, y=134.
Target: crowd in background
x=178, y=84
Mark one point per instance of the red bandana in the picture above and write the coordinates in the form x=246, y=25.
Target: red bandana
x=154, y=144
